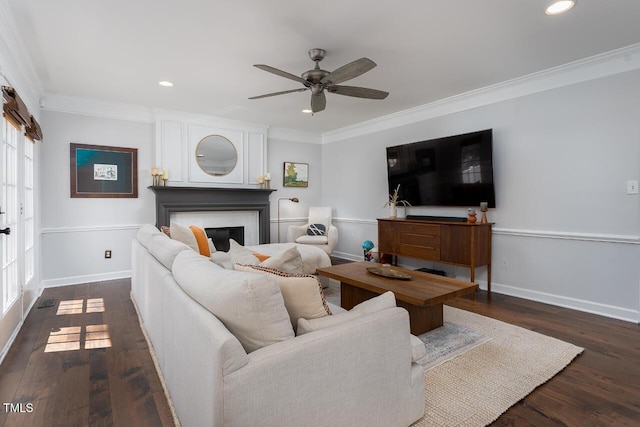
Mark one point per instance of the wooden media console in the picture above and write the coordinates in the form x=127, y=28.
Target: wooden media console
x=448, y=242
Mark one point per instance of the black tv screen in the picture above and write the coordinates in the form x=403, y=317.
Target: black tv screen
x=451, y=171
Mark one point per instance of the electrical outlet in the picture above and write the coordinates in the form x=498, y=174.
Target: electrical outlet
x=505, y=263
x=107, y=253
x=632, y=187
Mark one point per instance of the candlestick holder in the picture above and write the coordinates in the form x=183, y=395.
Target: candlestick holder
x=483, y=209
x=156, y=179
x=267, y=183
x=164, y=181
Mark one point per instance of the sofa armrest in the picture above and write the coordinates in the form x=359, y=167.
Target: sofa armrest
x=365, y=362
x=332, y=236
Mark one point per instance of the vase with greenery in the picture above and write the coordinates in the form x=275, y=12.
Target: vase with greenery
x=393, y=202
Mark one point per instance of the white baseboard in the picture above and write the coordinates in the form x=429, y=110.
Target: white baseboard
x=13, y=336
x=606, y=310
x=89, y=278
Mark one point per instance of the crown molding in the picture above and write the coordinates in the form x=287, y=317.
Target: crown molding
x=207, y=120
x=16, y=65
x=597, y=66
x=94, y=107
x=293, y=135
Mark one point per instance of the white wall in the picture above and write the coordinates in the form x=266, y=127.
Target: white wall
x=278, y=152
x=564, y=223
x=77, y=231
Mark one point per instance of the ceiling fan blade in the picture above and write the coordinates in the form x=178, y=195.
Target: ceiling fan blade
x=358, y=92
x=318, y=102
x=279, y=93
x=349, y=71
x=282, y=73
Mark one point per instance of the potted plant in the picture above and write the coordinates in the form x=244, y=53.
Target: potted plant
x=394, y=202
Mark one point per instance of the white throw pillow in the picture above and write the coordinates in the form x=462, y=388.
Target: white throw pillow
x=183, y=234
x=289, y=260
x=378, y=303
x=241, y=255
x=250, y=305
x=302, y=293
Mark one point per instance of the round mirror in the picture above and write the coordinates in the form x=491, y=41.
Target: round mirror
x=216, y=155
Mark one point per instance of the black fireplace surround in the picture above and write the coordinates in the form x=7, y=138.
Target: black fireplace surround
x=204, y=199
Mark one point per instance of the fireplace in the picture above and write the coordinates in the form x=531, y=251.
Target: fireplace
x=172, y=200
x=221, y=236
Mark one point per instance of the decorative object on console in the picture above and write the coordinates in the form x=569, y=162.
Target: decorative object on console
x=471, y=216
x=393, y=202
x=318, y=80
x=291, y=199
x=295, y=174
x=102, y=171
x=483, y=209
x=267, y=180
x=367, y=248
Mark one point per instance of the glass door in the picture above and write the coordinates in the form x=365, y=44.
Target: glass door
x=11, y=239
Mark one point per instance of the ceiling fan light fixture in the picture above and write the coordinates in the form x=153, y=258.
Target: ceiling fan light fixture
x=165, y=83
x=558, y=7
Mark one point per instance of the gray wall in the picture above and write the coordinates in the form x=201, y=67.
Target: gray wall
x=565, y=230
x=280, y=151
x=76, y=232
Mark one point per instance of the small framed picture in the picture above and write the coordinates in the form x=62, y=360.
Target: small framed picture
x=101, y=171
x=295, y=174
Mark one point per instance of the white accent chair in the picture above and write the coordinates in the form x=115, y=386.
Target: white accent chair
x=317, y=215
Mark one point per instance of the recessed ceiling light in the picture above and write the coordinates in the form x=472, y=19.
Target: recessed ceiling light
x=165, y=83
x=306, y=111
x=558, y=7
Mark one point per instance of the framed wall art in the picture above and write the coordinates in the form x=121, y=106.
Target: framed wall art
x=295, y=174
x=101, y=171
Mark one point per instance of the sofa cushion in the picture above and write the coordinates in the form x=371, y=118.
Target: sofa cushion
x=250, y=305
x=288, y=260
x=312, y=240
x=145, y=233
x=302, y=293
x=165, y=249
x=378, y=303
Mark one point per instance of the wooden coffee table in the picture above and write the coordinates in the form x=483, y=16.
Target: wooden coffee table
x=422, y=295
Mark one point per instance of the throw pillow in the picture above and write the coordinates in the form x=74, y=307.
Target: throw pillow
x=302, y=293
x=183, y=234
x=289, y=260
x=201, y=240
x=249, y=305
x=316, y=230
x=261, y=257
x=241, y=255
x=378, y=303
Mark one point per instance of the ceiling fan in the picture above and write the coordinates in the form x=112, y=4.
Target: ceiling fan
x=317, y=80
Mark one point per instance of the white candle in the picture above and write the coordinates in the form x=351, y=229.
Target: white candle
x=268, y=176
x=165, y=175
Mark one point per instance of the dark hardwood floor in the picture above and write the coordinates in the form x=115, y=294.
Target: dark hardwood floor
x=82, y=362
x=118, y=385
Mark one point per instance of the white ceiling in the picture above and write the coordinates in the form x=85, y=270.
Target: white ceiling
x=117, y=50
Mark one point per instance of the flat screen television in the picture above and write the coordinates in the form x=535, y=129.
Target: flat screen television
x=451, y=171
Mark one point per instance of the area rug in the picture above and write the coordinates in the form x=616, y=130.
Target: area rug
x=476, y=387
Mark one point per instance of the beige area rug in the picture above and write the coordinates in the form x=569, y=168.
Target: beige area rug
x=476, y=387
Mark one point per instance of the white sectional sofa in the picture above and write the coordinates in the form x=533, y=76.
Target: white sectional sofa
x=355, y=373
